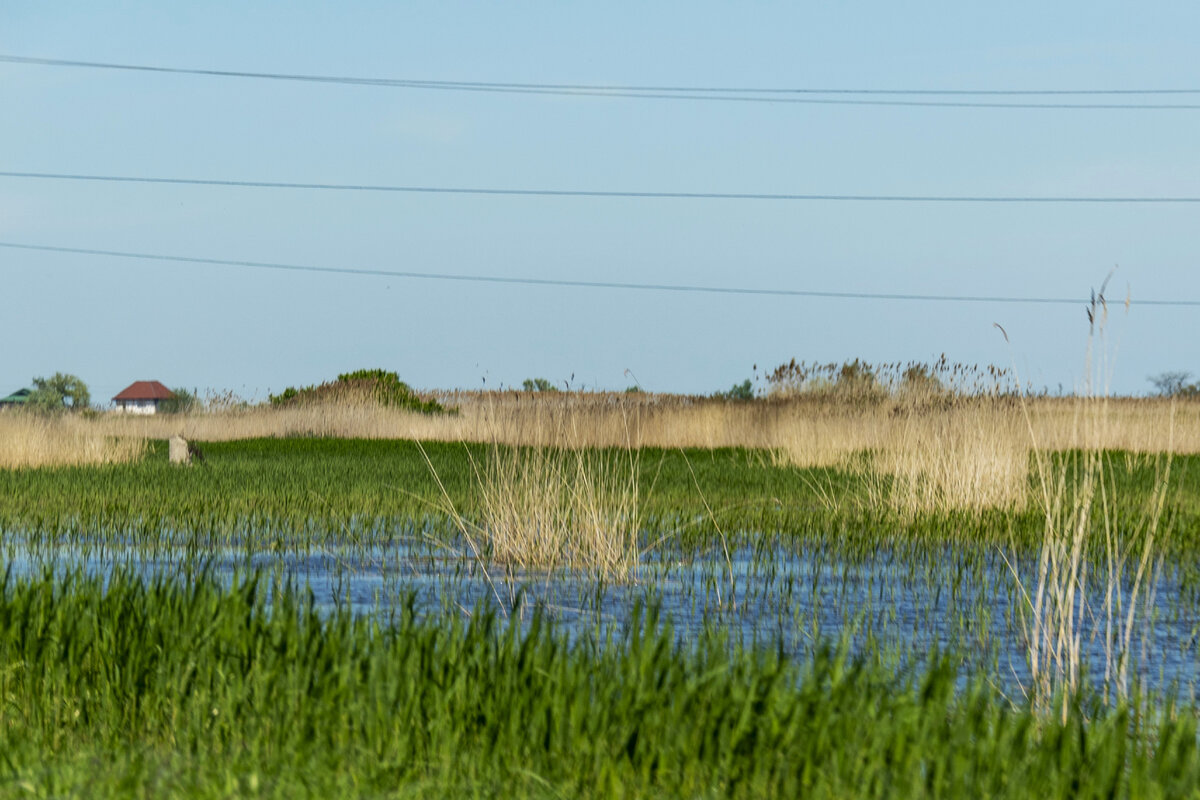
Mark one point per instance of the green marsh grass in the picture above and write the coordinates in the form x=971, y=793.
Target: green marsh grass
x=303, y=491
x=133, y=687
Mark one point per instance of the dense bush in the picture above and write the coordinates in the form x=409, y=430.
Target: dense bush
x=364, y=385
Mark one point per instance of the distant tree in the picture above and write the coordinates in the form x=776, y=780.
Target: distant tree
x=635, y=389
x=59, y=392
x=181, y=401
x=1175, y=384
x=739, y=391
x=538, y=385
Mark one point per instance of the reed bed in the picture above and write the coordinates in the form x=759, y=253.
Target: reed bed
x=557, y=508
x=922, y=453
x=28, y=440
x=926, y=452
x=818, y=432
x=557, y=505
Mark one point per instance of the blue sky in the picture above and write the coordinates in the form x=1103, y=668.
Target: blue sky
x=112, y=321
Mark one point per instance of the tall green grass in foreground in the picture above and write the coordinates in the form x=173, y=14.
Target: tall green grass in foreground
x=129, y=687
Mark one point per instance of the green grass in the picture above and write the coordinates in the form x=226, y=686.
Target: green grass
x=135, y=688
x=315, y=488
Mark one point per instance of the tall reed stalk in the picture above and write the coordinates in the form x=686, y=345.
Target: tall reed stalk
x=1076, y=494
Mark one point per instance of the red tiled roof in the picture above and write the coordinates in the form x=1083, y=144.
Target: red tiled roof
x=144, y=390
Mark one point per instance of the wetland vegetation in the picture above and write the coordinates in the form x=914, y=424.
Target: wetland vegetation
x=853, y=587
x=156, y=688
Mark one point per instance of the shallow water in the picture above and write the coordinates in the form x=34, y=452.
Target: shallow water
x=901, y=603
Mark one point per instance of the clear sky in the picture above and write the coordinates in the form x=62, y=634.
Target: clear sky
x=112, y=321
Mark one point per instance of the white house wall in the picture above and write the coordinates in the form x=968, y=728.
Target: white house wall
x=138, y=406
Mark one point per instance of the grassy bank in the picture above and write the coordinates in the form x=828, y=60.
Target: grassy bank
x=151, y=689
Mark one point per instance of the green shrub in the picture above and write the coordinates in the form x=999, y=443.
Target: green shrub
x=371, y=385
x=180, y=401
x=739, y=391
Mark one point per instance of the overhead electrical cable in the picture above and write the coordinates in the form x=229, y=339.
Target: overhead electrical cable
x=802, y=95
x=597, y=193
x=581, y=284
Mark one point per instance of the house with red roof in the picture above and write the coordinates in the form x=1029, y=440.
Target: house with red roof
x=141, y=397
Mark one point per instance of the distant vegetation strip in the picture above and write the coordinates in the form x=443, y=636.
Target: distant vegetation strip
x=364, y=385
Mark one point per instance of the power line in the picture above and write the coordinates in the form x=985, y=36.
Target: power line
x=362, y=187
x=524, y=281
x=807, y=96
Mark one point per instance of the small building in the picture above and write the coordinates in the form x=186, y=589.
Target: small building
x=16, y=399
x=141, y=397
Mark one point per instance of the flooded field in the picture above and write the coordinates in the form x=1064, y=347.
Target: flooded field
x=792, y=600
x=298, y=613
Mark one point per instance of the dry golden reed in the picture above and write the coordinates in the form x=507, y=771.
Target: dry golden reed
x=1077, y=496
x=558, y=505
x=966, y=452
x=552, y=508
x=812, y=433
x=28, y=440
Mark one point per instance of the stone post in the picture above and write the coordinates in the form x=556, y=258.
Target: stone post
x=179, y=451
